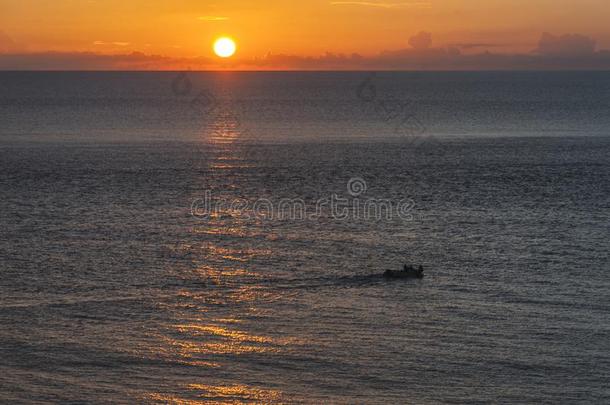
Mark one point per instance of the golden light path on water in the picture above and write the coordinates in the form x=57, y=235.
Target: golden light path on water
x=204, y=341
x=226, y=394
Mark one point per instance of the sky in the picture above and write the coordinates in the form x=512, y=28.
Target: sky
x=311, y=34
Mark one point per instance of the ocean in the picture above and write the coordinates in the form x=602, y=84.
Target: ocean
x=188, y=237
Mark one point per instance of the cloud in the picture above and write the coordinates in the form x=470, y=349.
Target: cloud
x=474, y=45
x=212, y=18
x=421, y=41
x=420, y=56
x=96, y=61
x=565, y=45
x=382, y=5
x=423, y=56
x=112, y=43
x=327, y=61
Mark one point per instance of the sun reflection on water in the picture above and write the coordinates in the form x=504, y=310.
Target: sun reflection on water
x=237, y=391
x=220, y=293
x=221, y=394
x=194, y=339
x=226, y=129
x=235, y=335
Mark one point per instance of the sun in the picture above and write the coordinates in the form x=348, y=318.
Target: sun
x=224, y=47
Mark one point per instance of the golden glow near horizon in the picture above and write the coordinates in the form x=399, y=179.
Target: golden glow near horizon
x=224, y=47
x=183, y=30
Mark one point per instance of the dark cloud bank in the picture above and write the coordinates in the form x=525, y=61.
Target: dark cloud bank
x=570, y=51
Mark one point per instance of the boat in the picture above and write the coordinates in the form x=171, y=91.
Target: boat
x=409, y=272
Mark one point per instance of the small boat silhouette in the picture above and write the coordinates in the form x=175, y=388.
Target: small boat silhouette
x=406, y=272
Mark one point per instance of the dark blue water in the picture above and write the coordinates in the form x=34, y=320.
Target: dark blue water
x=177, y=238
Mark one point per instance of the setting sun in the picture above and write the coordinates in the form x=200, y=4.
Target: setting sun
x=224, y=47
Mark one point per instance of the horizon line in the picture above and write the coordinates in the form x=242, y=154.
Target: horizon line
x=558, y=69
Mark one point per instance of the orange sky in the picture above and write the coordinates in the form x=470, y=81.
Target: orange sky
x=186, y=28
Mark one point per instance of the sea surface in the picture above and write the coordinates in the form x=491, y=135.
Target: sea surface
x=221, y=237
